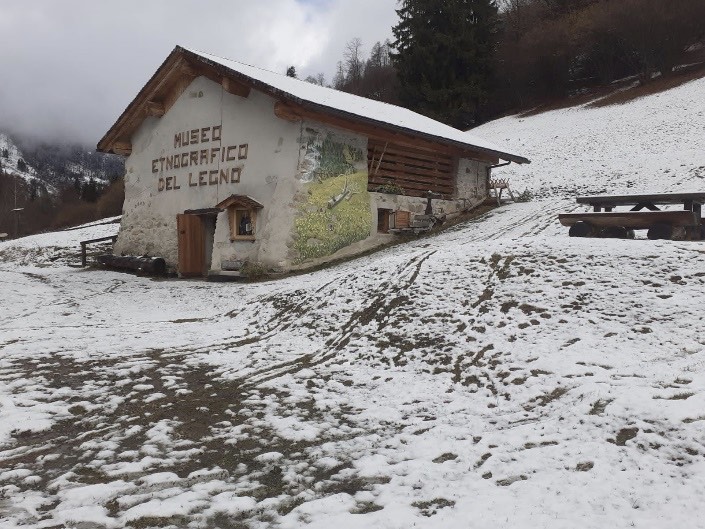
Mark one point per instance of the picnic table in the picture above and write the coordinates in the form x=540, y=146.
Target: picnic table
x=646, y=213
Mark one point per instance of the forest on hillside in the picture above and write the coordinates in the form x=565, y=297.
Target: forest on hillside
x=57, y=185
x=465, y=62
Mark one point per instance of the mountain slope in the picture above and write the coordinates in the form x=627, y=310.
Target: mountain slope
x=56, y=165
x=499, y=374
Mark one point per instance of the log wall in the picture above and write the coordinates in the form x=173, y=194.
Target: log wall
x=416, y=171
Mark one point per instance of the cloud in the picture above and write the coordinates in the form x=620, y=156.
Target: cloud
x=70, y=68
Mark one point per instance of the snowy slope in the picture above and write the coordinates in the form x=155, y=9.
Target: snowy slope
x=653, y=144
x=9, y=164
x=500, y=374
x=56, y=165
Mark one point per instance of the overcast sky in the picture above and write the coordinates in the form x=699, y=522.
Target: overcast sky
x=68, y=68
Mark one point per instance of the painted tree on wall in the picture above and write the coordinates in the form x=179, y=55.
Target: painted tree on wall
x=443, y=55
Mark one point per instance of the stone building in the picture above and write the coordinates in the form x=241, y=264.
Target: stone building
x=230, y=164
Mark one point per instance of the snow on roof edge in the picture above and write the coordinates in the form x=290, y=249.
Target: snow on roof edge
x=368, y=109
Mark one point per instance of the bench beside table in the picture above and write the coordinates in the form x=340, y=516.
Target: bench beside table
x=670, y=224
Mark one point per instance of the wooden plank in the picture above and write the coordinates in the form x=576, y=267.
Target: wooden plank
x=410, y=162
x=415, y=171
x=421, y=156
x=636, y=220
x=406, y=152
x=123, y=148
x=155, y=109
x=394, y=179
x=235, y=87
x=406, y=169
x=286, y=112
x=632, y=200
x=413, y=189
x=406, y=177
x=132, y=116
x=408, y=186
x=176, y=89
x=402, y=219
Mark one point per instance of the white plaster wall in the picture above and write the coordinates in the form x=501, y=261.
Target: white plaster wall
x=471, y=181
x=271, y=174
x=268, y=175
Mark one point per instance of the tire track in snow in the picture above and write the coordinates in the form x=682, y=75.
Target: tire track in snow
x=405, y=276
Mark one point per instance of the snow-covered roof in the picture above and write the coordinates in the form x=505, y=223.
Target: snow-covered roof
x=377, y=111
x=331, y=101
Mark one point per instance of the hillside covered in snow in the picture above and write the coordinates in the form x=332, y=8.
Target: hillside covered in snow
x=54, y=165
x=499, y=374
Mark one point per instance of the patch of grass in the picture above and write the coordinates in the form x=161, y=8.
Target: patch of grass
x=148, y=522
x=429, y=508
x=445, y=457
x=677, y=396
x=508, y=481
x=482, y=460
x=546, y=399
x=366, y=507
x=254, y=271
x=524, y=196
x=598, y=407
x=624, y=435
x=529, y=446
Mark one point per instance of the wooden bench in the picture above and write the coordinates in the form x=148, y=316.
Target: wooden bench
x=669, y=224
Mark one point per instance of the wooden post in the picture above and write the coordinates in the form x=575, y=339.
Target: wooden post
x=83, y=254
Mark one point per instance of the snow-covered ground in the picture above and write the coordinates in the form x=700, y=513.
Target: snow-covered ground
x=500, y=374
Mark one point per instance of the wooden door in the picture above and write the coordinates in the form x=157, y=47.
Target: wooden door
x=383, y=220
x=192, y=245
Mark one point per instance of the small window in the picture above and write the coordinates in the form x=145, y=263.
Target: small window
x=242, y=224
x=242, y=214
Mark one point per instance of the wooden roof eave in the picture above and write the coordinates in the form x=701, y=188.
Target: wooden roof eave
x=117, y=139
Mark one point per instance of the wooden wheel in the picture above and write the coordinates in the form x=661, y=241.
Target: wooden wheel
x=617, y=232
x=581, y=229
x=660, y=231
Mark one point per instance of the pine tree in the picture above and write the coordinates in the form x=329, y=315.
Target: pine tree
x=443, y=55
x=291, y=72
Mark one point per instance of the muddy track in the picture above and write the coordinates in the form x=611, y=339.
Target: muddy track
x=382, y=302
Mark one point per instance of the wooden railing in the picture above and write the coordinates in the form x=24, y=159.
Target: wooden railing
x=91, y=241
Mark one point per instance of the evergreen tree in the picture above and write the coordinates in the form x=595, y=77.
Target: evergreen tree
x=90, y=191
x=291, y=72
x=443, y=53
